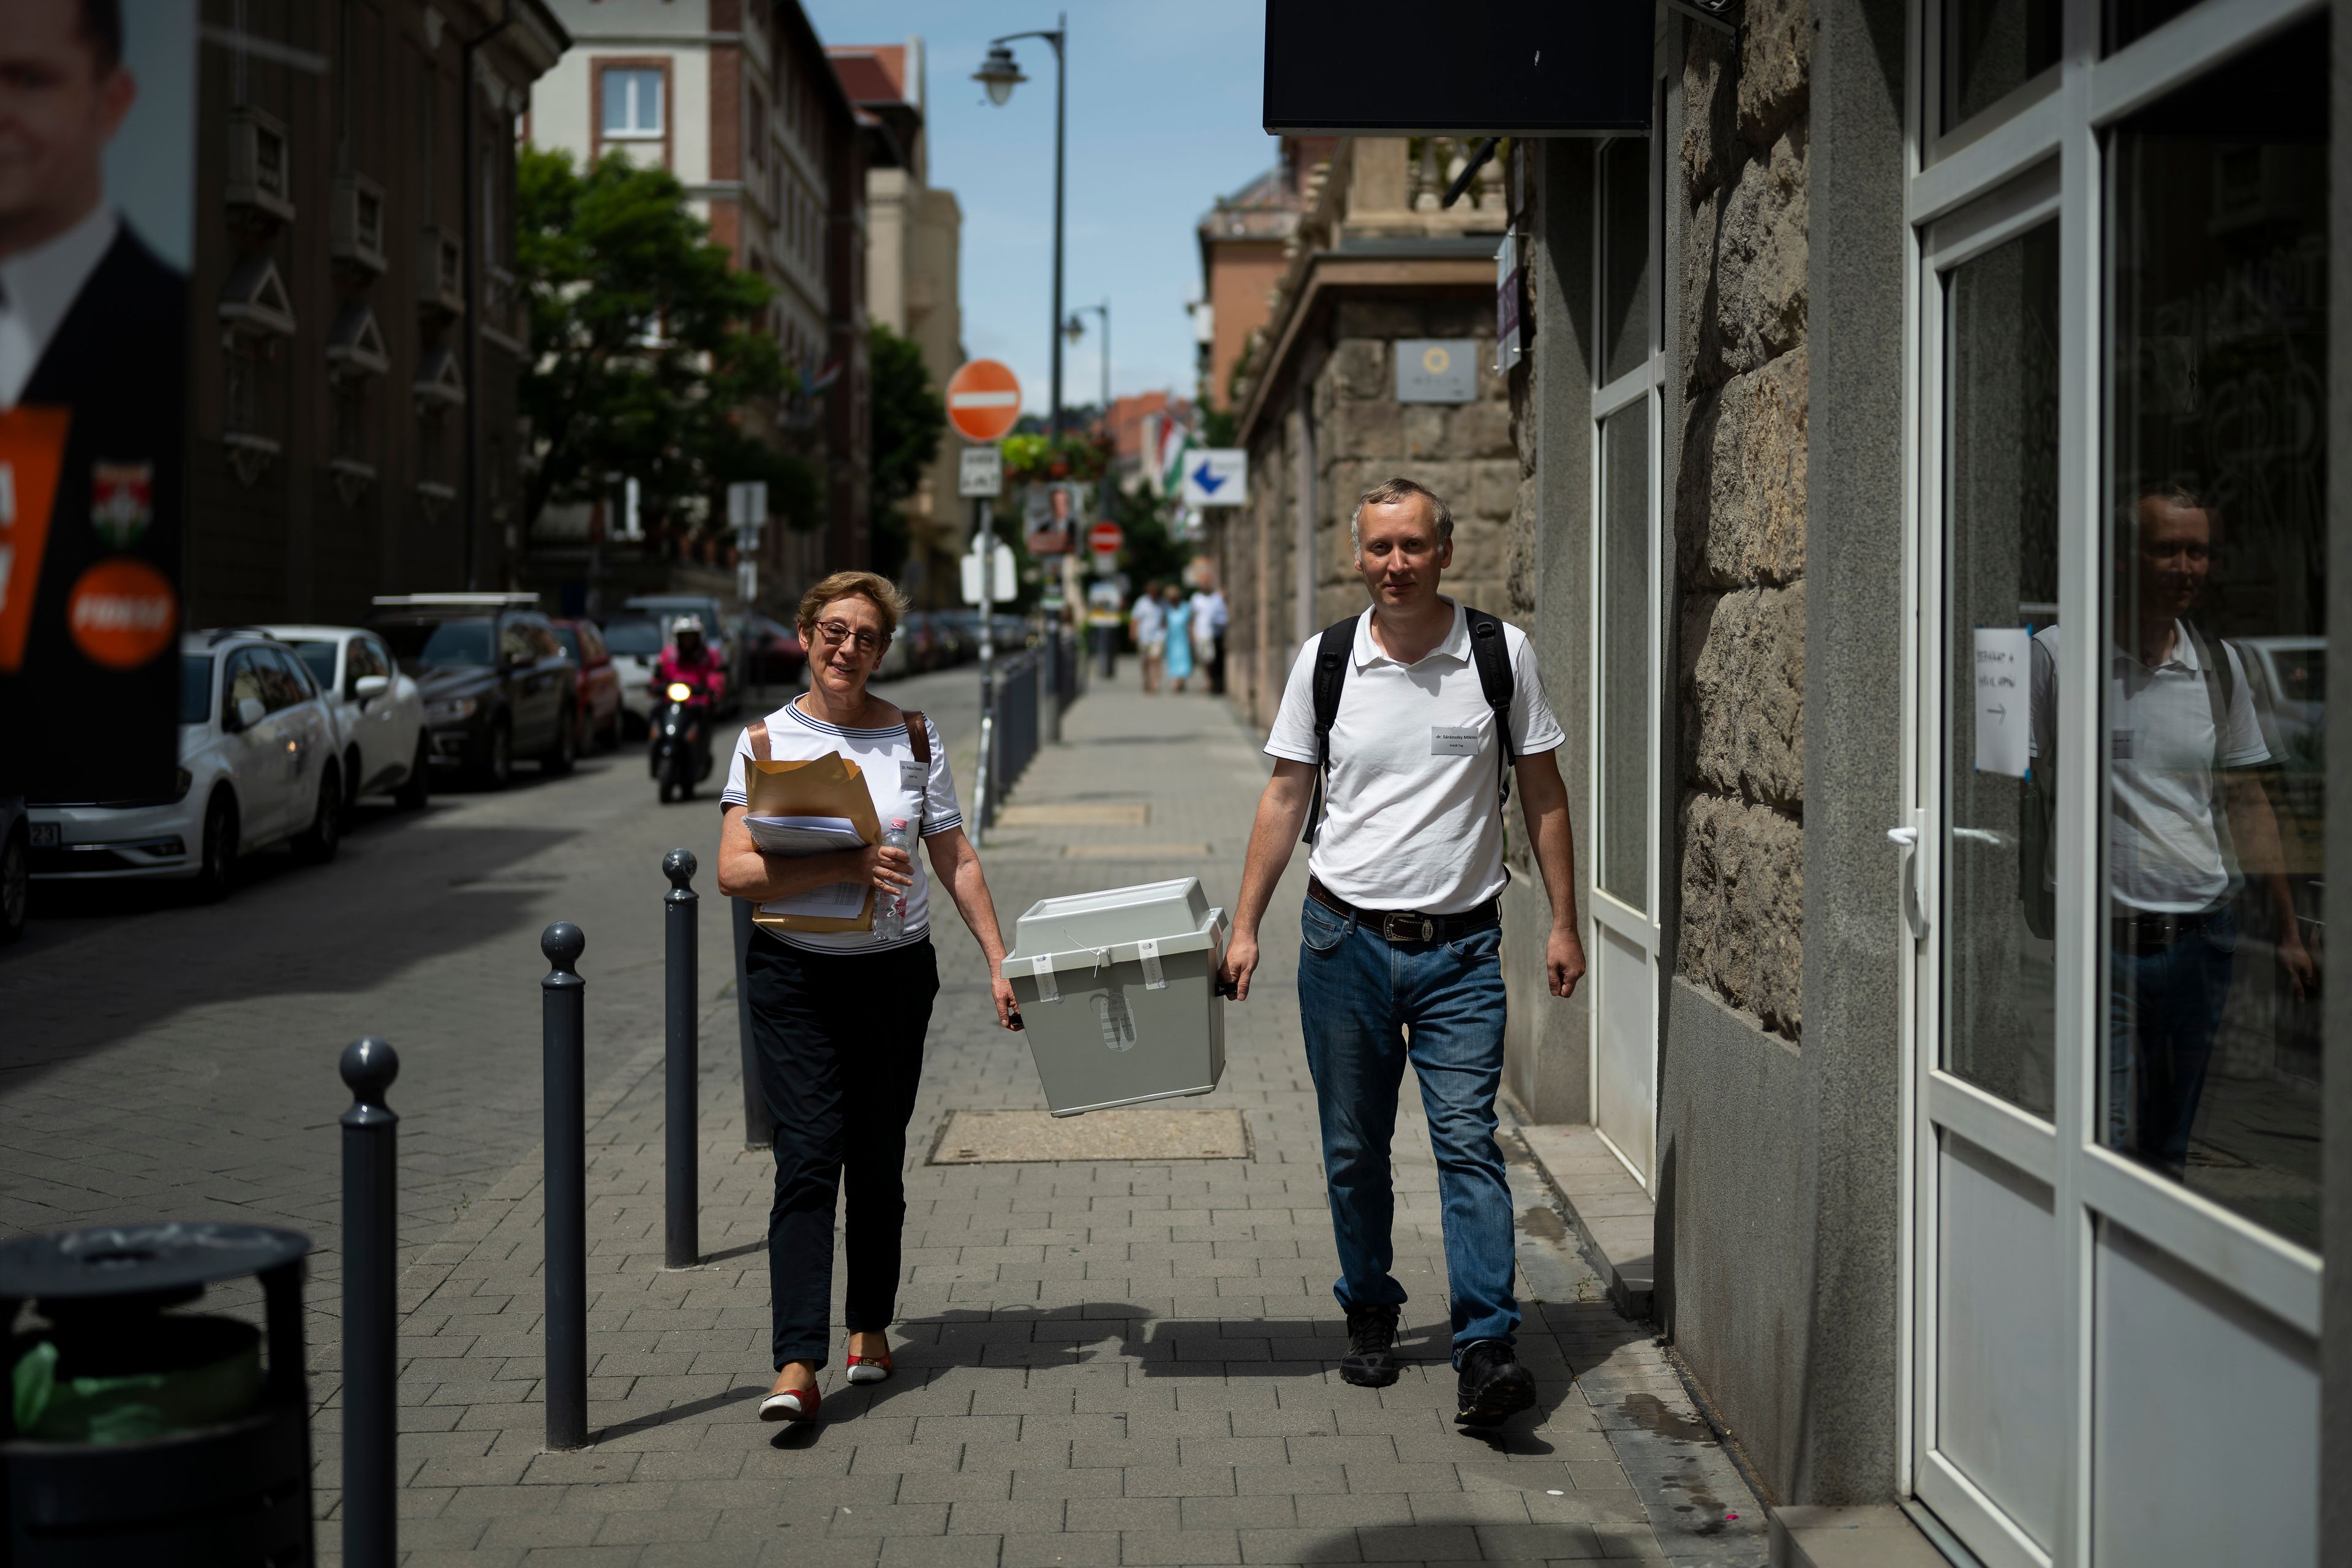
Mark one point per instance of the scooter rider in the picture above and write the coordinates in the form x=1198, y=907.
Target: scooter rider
x=690, y=658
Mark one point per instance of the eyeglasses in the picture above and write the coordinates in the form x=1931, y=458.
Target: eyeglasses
x=836, y=633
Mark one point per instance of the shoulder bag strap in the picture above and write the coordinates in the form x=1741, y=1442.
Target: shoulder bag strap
x=1492, y=655
x=919, y=736
x=1330, y=673
x=759, y=733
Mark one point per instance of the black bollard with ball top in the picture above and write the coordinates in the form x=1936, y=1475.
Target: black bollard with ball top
x=563, y=1041
x=681, y=1238
x=371, y=1412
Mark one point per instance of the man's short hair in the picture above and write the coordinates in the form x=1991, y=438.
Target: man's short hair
x=2173, y=493
x=100, y=23
x=1388, y=492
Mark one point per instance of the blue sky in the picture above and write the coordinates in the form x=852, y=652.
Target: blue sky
x=1163, y=117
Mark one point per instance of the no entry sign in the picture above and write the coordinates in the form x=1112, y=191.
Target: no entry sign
x=1105, y=538
x=983, y=399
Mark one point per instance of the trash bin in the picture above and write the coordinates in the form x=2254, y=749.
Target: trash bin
x=1117, y=990
x=135, y=1434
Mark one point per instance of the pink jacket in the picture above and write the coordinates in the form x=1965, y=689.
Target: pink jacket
x=705, y=673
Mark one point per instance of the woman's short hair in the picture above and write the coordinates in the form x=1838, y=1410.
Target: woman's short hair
x=871, y=586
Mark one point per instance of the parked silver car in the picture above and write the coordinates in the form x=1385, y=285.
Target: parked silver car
x=379, y=716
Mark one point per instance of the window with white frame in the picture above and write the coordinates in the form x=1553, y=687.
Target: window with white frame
x=633, y=103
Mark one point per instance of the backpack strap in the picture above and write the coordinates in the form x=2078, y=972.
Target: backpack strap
x=1338, y=640
x=1492, y=655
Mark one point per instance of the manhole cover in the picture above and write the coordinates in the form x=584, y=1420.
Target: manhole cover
x=1067, y=814
x=1141, y=1132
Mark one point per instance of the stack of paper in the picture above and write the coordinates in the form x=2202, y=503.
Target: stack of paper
x=798, y=835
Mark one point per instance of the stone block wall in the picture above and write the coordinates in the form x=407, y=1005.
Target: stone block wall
x=1363, y=434
x=1739, y=508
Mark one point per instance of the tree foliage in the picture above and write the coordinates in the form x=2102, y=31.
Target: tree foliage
x=908, y=416
x=649, y=360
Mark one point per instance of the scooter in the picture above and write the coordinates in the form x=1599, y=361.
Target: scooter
x=679, y=751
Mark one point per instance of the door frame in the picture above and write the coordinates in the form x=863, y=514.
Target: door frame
x=1643, y=385
x=2041, y=151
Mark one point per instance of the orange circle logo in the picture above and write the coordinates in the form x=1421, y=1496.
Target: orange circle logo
x=122, y=612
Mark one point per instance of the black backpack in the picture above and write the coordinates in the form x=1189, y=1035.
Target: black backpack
x=1488, y=651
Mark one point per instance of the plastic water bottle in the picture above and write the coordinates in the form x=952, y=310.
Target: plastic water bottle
x=890, y=908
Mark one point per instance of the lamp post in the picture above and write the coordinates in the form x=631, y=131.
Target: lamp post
x=999, y=73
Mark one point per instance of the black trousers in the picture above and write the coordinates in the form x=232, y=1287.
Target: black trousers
x=841, y=1049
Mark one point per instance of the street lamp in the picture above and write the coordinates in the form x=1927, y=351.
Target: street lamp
x=1077, y=329
x=999, y=73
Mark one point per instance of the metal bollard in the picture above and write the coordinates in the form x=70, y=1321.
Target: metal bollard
x=759, y=1128
x=681, y=1240
x=563, y=1030
x=371, y=1415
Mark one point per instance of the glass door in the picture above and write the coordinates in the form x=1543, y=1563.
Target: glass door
x=1627, y=568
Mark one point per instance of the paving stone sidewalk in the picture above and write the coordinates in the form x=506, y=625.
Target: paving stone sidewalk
x=1099, y=1363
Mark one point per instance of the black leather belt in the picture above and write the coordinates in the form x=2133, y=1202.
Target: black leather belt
x=2152, y=932
x=1410, y=925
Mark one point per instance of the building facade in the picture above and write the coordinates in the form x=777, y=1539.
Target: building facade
x=360, y=336
x=737, y=99
x=1245, y=252
x=913, y=261
x=1928, y=533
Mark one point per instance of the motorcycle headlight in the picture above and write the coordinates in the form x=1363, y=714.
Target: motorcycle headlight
x=180, y=783
x=450, y=709
x=679, y=692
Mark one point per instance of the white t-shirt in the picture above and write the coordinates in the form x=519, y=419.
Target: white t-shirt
x=1150, y=620
x=1409, y=819
x=886, y=759
x=2164, y=849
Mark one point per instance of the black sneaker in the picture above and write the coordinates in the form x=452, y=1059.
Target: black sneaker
x=1494, y=1385
x=1370, y=1361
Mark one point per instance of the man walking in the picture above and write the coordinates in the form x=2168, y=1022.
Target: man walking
x=1209, y=618
x=1413, y=719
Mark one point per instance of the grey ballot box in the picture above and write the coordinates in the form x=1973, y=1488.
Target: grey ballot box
x=1118, y=991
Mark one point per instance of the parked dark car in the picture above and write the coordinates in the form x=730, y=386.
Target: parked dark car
x=772, y=651
x=597, y=700
x=496, y=683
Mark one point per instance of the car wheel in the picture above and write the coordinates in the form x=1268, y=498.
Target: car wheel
x=498, y=756
x=559, y=760
x=417, y=787
x=217, y=870
x=318, y=842
x=15, y=884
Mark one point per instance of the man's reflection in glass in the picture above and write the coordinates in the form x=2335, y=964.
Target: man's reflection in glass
x=2189, y=826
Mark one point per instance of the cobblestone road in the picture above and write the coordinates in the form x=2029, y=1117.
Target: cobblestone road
x=1101, y=1362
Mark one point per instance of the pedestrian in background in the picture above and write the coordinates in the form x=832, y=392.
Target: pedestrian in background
x=839, y=1017
x=1392, y=731
x=1180, y=637
x=1149, y=622
x=1209, y=634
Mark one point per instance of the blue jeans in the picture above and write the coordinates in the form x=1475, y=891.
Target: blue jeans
x=2163, y=1010
x=1357, y=994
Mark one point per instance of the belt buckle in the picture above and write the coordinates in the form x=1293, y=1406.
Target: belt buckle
x=1393, y=922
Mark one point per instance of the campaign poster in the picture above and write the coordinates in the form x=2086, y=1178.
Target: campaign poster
x=96, y=234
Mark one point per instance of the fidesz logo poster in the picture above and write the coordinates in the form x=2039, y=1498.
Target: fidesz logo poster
x=96, y=181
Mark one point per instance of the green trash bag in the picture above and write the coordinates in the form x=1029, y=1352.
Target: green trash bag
x=150, y=1377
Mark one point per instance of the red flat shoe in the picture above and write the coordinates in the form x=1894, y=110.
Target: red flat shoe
x=870, y=1368
x=792, y=1405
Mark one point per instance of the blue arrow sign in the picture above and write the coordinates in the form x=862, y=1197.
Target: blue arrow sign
x=1210, y=483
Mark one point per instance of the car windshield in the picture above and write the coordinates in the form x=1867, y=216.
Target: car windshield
x=195, y=688
x=641, y=638
x=419, y=645
x=320, y=657
x=570, y=637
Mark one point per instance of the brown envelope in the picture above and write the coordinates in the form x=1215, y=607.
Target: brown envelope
x=832, y=785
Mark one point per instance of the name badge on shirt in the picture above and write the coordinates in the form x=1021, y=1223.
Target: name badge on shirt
x=911, y=777
x=1453, y=741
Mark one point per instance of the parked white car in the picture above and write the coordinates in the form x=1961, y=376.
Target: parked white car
x=259, y=764
x=379, y=717
x=635, y=642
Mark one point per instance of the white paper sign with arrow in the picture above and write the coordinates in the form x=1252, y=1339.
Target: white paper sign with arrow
x=1216, y=476
x=2004, y=699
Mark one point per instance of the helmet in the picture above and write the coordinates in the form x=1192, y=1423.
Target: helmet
x=685, y=625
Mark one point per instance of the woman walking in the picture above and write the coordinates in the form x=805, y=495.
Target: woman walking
x=839, y=1017
x=1179, y=636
